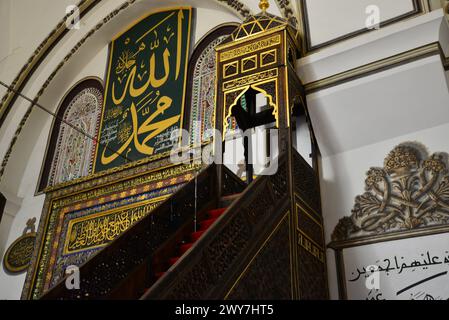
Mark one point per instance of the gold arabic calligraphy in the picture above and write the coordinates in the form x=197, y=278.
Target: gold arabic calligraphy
x=97, y=231
x=127, y=87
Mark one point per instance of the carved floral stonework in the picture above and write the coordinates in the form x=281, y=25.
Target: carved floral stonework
x=411, y=191
x=287, y=11
x=237, y=6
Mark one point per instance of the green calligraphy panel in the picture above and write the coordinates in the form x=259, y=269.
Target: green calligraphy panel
x=145, y=88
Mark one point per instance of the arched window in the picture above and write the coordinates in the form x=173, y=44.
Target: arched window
x=201, y=82
x=70, y=153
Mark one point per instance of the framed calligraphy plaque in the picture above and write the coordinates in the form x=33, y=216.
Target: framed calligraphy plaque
x=97, y=230
x=145, y=88
x=18, y=256
x=406, y=269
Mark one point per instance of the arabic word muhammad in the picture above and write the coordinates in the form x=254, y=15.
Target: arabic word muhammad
x=145, y=88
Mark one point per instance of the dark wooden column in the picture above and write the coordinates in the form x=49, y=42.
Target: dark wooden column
x=2, y=205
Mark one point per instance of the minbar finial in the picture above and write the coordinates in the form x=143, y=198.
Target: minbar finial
x=264, y=5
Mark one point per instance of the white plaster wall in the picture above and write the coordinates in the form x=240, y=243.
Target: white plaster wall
x=26, y=29
x=436, y=4
x=343, y=177
x=23, y=29
x=346, y=16
x=5, y=33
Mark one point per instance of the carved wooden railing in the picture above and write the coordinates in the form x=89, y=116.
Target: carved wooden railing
x=231, y=183
x=126, y=262
x=312, y=278
x=218, y=258
x=125, y=269
x=306, y=182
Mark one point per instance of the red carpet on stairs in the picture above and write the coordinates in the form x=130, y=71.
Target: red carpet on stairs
x=216, y=212
x=183, y=249
x=206, y=224
x=196, y=235
x=212, y=216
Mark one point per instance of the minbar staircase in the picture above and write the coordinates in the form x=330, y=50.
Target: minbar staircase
x=189, y=240
x=232, y=242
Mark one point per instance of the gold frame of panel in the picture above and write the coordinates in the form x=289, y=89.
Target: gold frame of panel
x=106, y=213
